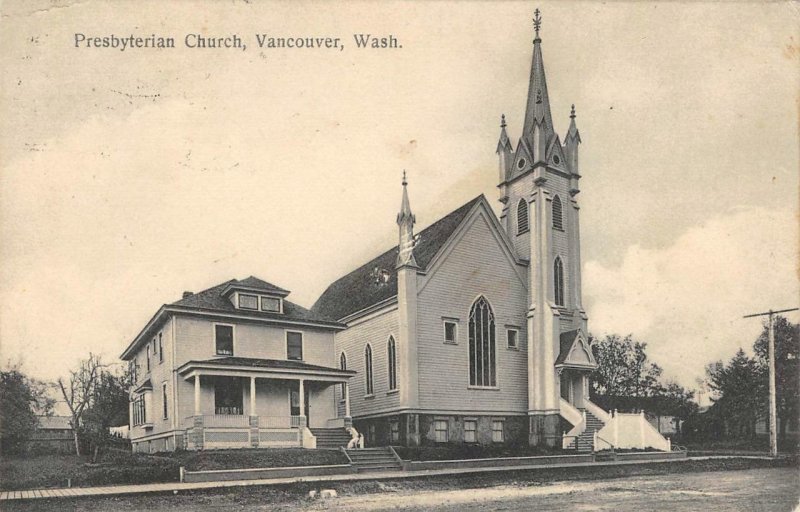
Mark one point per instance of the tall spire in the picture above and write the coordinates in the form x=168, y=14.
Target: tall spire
x=538, y=107
x=573, y=129
x=405, y=221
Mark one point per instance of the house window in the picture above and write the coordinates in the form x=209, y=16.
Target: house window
x=470, y=431
x=392, y=359
x=228, y=397
x=248, y=301
x=440, y=431
x=522, y=216
x=368, y=369
x=160, y=348
x=558, y=282
x=394, y=431
x=132, y=367
x=497, y=431
x=164, y=403
x=271, y=304
x=512, y=336
x=224, y=339
x=558, y=214
x=139, y=413
x=294, y=346
x=148, y=357
x=450, y=332
x=481, y=345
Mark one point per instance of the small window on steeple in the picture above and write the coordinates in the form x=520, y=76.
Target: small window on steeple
x=522, y=216
x=558, y=214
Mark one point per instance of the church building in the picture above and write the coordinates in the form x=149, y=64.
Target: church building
x=471, y=330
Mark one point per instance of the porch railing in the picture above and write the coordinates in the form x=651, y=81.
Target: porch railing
x=226, y=420
x=278, y=421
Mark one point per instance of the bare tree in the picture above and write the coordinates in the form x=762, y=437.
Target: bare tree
x=79, y=391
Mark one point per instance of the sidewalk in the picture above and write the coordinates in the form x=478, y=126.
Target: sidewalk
x=387, y=475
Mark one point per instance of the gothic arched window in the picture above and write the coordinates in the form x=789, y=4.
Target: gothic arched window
x=558, y=214
x=481, y=344
x=368, y=369
x=392, y=359
x=558, y=281
x=522, y=216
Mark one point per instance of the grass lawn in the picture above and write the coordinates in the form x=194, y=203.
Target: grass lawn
x=114, y=467
x=294, y=496
x=119, y=467
x=256, y=458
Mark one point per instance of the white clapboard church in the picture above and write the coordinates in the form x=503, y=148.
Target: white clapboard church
x=471, y=330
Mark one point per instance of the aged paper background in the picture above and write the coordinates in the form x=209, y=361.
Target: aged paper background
x=130, y=176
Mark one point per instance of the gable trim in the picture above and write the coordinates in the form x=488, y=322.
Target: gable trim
x=481, y=209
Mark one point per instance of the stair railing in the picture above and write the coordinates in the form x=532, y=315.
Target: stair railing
x=344, y=450
x=598, y=438
x=396, y=456
x=565, y=445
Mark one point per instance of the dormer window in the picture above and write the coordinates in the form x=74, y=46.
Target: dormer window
x=248, y=301
x=271, y=304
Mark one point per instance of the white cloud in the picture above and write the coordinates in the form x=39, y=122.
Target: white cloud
x=687, y=300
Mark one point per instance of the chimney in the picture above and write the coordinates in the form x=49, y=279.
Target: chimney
x=187, y=294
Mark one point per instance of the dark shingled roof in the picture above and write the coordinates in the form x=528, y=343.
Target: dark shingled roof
x=566, y=341
x=213, y=300
x=268, y=363
x=361, y=288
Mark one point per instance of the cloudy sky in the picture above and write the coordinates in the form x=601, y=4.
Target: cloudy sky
x=127, y=177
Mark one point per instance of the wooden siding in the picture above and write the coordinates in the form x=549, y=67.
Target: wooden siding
x=160, y=372
x=196, y=341
x=375, y=331
x=476, y=266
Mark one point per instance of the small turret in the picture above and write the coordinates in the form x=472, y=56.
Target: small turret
x=406, y=220
x=571, y=142
x=504, y=151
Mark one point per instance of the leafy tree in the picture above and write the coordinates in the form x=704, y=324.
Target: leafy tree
x=21, y=400
x=787, y=368
x=623, y=368
x=741, y=392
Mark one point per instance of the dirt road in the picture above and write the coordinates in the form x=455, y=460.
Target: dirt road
x=752, y=490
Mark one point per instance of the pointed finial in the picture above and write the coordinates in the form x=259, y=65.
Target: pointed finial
x=404, y=178
x=537, y=22
x=572, y=112
x=502, y=121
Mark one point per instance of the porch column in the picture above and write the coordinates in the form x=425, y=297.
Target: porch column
x=348, y=420
x=253, y=396
x=302, y=404
x=197, y=395
x=584, y=389
x=254, y=432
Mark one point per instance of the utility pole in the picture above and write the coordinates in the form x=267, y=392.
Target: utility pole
x=773, y=431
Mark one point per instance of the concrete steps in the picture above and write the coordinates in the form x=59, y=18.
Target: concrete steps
x=373, y=459
x=331, y=438
x=585, y=441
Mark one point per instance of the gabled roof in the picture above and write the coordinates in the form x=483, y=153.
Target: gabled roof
x=214, y=301
x=364, y=287
x=567, y=341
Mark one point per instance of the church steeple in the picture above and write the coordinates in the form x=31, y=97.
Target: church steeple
x=538, y=126
x=406, y=220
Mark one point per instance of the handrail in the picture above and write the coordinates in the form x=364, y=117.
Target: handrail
x=344, y=450
x=396, y=456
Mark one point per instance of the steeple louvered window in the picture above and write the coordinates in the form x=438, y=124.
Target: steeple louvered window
x=558, y=214
x=558, y=282
x=522, y=216
x=482, y=358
